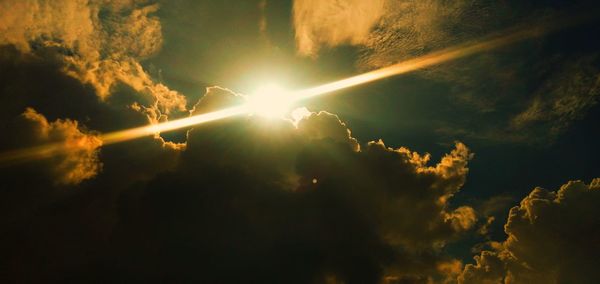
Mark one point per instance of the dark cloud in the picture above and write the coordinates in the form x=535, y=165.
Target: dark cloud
x=257, y=200
x=552, y=238
x=57, y=210
x=568, y=90
x=79, y=160
x=563, y=99
x=248, y=199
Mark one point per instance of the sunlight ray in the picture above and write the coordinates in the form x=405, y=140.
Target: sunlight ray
x=442, y=56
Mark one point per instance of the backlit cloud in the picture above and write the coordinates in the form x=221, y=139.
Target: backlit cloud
x=278, y=186
x=79, y=160
x=101, y=42
x=256, y=199
x=552, y=238
x=299, y=198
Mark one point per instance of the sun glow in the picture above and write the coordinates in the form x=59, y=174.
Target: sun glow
x=270, y=100
x=273, y=101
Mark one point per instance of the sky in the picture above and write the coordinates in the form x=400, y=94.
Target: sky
x=479, y=168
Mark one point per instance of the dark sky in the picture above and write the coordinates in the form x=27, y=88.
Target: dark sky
x=485, y=171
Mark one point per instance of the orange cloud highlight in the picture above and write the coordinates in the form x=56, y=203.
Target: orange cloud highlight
x=435, y=58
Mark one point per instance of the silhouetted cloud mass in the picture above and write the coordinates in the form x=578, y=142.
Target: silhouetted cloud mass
x=249, y=199
x=552, y=238
x=268, y=201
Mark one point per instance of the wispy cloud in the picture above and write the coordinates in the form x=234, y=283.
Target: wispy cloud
x=333, y=22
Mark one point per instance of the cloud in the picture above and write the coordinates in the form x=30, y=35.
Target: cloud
x=79, y=160
x=489, y=210
x=463, y=218
x=496, y=204
x=552, y=238
x=331, y=23
x=524, y=96
x=386, y=30
x=568, y=91
x=78, y=62
x=244, y=199
x=412, y=28
x=100, y=42
x=41, y=105
x=288, y=198
x=277, y=200
x=271, y=201
x=562, y=99
x=326, y=125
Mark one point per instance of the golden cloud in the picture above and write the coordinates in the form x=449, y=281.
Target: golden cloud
x=331, y=23
x=552, y=238
x=100, y=42
x=78, y=157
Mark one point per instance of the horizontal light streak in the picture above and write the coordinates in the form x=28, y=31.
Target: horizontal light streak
x=421, y=62
x=57, y=148
x=134, y=133
x=435, y=58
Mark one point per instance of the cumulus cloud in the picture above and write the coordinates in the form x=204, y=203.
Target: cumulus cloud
x=41, y=106
x=292, y=201
x=79, y=160
x=278, y=200
x=326, y=125
x=100, y=42
x=245, y=199
x=252, y=198
x=552, y=238
x=301, y=200
x=67, y=151
x=67, y=60
x=38, y=82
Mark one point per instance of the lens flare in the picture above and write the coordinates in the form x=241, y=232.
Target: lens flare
x=270, y=100
x=425, y=61
x=53, y=149
x=274, y=101
x=134, y=133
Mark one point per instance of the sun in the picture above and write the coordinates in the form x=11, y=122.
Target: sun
x=270, y=100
